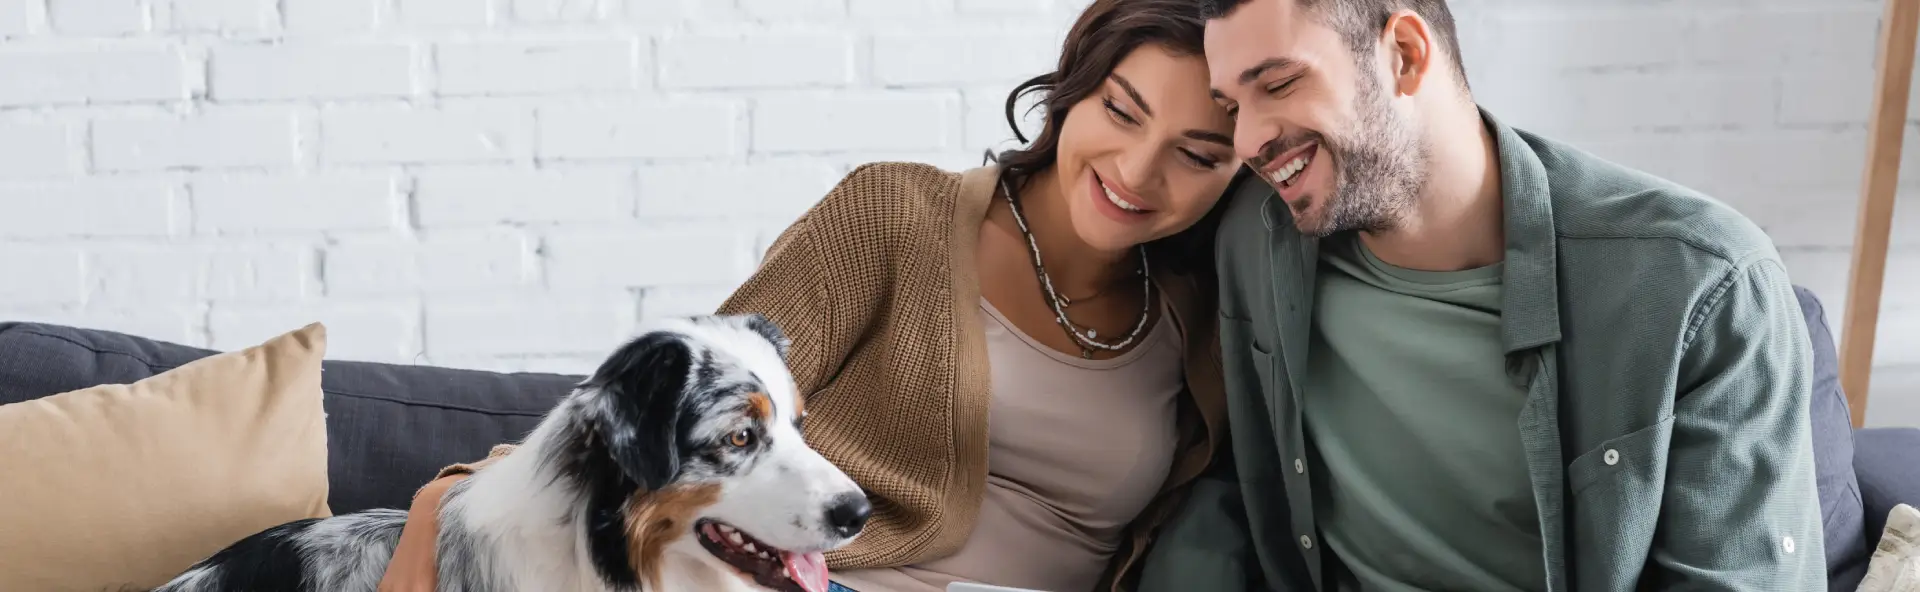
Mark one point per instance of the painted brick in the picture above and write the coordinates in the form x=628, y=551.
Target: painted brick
x=1893, y=398
x=89, y=208
x=319, y=18
x=210, y=139
x=481, y=197
x=1586, y=40
x=457, y=264
x=55, y=272
x=1004, y=7
x=1632, y=99
x=91, y=76
x=228, y=205
x=184, y=274
x=145, y=273
x=961, y=57
x=760, y=60
x=899, y=9
x=658, y=303
x=171, y=323
x=540, y=67
x=311, y=71
x=777, y=190
x=790, y=9
x=845, y=122
x=96, y=17
x=703, y=129
x=445, y=13
x=396, y=135
x=552, y=11
x=583, y=323
x=30, y=150
x=15, y=19
x=261, y=273
x=645, y=257
x=660, y=14
x=222, y=15
x=372, y=331
x=1838, y=32
x=986, y=118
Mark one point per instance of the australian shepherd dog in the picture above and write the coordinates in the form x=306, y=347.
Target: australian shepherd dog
x=677, y=466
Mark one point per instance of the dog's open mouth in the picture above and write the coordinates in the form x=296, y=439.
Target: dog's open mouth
x=781, y=570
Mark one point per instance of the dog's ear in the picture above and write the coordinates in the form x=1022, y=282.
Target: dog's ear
x=642, y=385
x=765, y=327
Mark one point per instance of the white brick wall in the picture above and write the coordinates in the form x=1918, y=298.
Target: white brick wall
x=511, y=184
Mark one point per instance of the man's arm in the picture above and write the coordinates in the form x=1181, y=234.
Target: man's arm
x=1204, y=546
x=1741, y=509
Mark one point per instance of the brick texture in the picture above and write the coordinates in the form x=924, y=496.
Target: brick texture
x=418, y=172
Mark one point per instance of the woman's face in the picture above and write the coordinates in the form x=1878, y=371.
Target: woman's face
x=1147, y=154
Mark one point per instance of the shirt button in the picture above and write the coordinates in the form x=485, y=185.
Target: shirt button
x=1299, y=466
x=1611, y=457
x=1787, y=544
x=1306, y=541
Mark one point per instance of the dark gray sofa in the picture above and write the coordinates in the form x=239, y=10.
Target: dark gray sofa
x=391, y=427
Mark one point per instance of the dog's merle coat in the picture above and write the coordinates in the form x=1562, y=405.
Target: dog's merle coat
x=690, y=428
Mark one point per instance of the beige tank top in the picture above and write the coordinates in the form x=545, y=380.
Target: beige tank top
x=1076, y=449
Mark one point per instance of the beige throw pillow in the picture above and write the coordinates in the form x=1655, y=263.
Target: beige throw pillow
x=122, y=487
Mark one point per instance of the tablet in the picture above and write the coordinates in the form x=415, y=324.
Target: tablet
x=970, y=587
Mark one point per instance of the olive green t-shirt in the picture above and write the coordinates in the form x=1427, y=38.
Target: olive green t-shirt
x=1422, y=482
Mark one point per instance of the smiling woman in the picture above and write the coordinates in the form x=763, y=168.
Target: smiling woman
x=1064, y=292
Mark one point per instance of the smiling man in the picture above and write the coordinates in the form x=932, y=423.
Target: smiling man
x=1461, y=356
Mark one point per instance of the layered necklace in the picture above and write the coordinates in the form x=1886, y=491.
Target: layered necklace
x=1087, y=339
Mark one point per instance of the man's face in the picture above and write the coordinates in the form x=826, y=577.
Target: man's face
x=1317, y=124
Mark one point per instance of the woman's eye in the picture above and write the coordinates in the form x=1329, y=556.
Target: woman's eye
x=1201, y=161
x=1117, y=113
x=741, y=439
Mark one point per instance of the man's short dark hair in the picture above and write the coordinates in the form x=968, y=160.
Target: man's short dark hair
x=1359, y=22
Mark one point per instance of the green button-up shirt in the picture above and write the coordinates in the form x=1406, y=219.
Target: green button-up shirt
x=1667, y=372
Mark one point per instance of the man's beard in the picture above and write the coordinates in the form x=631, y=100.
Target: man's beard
x=1383, y=167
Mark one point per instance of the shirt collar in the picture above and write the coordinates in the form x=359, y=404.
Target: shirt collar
x=1530, y=301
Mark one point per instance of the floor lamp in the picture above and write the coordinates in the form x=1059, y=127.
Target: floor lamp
x=1885, y=130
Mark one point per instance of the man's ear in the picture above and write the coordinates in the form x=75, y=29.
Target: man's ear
x=642, y=387
x=1410, y=47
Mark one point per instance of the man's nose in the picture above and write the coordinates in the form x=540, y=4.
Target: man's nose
x=1250, y=136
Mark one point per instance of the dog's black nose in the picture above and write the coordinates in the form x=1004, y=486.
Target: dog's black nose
x=847, y=514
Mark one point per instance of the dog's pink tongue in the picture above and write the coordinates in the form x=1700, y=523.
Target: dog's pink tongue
x=809, y=570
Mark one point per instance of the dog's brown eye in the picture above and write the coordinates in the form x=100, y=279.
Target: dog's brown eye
x=740, y=439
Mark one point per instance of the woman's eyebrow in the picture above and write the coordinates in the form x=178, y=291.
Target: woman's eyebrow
x=1207, y=136
x=1128, y=87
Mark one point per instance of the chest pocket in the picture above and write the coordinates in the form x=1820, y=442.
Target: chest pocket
x=1248, y=363
x=1611, y=489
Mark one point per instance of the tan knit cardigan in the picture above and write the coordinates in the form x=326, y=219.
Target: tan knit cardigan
x=876, y=286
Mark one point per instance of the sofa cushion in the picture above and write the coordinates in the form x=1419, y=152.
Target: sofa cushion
x=390, y=427
x=1888, y=461
x=1833, y=454
x=119, y=486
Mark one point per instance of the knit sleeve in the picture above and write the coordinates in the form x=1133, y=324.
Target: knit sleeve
x=805, y=282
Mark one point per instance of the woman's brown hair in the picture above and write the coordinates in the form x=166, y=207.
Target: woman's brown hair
x=1105, y=34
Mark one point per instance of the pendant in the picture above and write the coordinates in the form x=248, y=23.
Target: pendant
x=1092, y=334
x=1086, y=353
